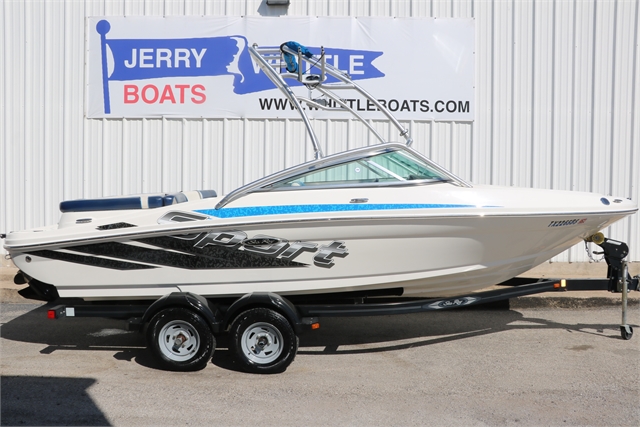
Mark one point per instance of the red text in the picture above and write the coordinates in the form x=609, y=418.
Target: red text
x=174, y=94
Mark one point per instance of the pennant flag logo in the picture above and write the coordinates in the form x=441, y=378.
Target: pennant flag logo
x=137, y=59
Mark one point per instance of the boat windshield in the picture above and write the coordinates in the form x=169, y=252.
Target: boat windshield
x=391, y=167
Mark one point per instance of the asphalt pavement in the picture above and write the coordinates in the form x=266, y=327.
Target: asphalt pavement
x=525, y=367
x=552, y=359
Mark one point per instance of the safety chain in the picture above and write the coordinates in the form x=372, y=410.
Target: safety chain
x=590, y=254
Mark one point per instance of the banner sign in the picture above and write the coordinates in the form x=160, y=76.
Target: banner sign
x=420, y=68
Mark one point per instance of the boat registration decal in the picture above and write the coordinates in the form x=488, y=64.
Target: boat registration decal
x=567, y=222
x=302, y=209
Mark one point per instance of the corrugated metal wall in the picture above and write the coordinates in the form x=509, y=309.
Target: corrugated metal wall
x=556, y=96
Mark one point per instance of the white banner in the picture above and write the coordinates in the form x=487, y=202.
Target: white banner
x=420, y=68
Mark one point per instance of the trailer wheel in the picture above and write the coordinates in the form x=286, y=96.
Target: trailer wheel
x=263, y=341
x=626, y=332
x=181, y=339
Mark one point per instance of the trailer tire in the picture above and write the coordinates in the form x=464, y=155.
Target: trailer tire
x=263, y=341
x=180, y=339
x=626, y=332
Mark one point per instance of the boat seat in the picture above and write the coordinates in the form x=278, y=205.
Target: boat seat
x=138, y=201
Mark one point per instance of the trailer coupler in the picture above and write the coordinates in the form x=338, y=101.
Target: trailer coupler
x=614, y=253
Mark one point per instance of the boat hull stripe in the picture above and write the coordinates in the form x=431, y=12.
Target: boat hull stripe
x=302, y=209
x=170, y=252
x=90, y=260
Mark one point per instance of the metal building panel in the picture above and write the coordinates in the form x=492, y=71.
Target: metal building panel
x=298, y=145
x=254, y=152
x=522, y=96
x=239, y=8
x=213, y=155
x=6, y=160
x=172, y=154
x=92, y=160
x=315, y=8
x=421, y=9
x=36, y=110
x=357, y=135
x=421, y=134
x=542, y=92
x=634, y=236
x=360, y=8
x=339, y=8
x=562, y=102
x=152, y=155
x=17, y=181
x=132, y=157
x=131, y=8
x=155, y=7
x=382, y=127
x=602, y=101
x=622, y=100
x=483, y=130
x=461, y=143
x=53, y=117
x=173, y=8
x=32, y=143
x=14, y=81
x=275, y=146
x=380, y=8
x=445, y=150
x=441, y=9
x=463, y=9
x=501, y=105
x=112, y=148
x=234, y=152
x=402, y=8
x=195, y=8
x=581, y=162
x=215, y=8
x=191, y=166
x=336, y=136
x=622, y=142
x=556, y=90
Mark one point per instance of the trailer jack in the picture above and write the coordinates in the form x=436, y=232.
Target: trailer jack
x=620, y=281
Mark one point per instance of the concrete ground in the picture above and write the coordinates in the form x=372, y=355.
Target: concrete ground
x=543, y=361
x=517, y=367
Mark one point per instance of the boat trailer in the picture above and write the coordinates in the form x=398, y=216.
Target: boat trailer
x=294, y=314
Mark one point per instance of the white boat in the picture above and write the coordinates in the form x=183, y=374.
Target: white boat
x=382, y=219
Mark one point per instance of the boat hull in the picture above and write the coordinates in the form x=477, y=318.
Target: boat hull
x=426, y=256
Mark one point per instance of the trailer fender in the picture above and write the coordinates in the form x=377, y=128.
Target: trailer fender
x=267, y=300
x=188, y=300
